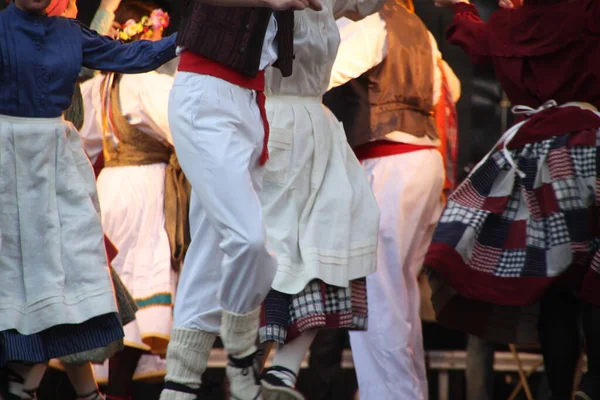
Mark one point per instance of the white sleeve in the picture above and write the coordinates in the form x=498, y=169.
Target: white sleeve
x=356, y=9
x=91, y=131
x=453, y=82
x=437, y=73
x=451, y=78
x=363, y=46
x=145, y=103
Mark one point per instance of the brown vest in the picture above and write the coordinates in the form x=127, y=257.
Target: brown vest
x=234, y=36
x=402, y=93
x=137, y=148
x=396, y=95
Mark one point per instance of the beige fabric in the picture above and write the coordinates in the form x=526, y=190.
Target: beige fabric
x=138, y=148
x=51, y=238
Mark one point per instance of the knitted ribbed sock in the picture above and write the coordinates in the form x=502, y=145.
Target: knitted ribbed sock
x=187, y=356
x=239, y=332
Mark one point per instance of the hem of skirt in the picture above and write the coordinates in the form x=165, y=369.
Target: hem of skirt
x=358, y=323
x=508, y=291
x=61, y=340
x=323, y=265
x=94, y=356
x=59, y=312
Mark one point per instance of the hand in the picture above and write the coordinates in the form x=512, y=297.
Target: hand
x=113, y=31
x=510, y=3
x=294, y=4
x=110, y=5
x=448, y=3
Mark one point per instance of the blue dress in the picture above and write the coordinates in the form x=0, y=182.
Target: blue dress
x=56, y=295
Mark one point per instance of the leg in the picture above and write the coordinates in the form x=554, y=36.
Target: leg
x=325, y=363
x=591, y=328
x=121, y=368
x=480, y=369
x=559, y=337
x=21, y=381
x=197, y=314
x=217, y=132
x=279, y=381
x=389, y=357
x=83, y=381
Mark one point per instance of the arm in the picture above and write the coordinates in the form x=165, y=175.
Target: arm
x=453, y=81
x=274, y=4
x=91, y=131
x=103, y=53
x=105, y=17
x=467, y=30
x=367, y=38
x=102, y=21
x=441, y=67
x=356, y=9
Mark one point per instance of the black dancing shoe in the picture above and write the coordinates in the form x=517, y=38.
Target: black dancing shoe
x=8, y=377
x=274, y=388
x=580, y=395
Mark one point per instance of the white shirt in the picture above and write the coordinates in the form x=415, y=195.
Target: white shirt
x=368, y=38
x=144, y=100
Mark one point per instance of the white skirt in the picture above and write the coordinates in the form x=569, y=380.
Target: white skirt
x=132, y=203
x=321, y=216
x=52, y=257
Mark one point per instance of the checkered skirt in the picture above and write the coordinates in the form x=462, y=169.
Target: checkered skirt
x=514, y=227
x=318, y=306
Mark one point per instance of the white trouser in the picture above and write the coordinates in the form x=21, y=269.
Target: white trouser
x=389, y=357
x=218, y=136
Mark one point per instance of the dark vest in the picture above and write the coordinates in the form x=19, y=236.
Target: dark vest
x=234, y=36
x=396, y=95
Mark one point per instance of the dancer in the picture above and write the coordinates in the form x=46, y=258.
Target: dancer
x=144, y=214
x=322, y=219
x=60, y=300
x=219, y=128
x=78, y=366
x=386, y=101
x=522, y=228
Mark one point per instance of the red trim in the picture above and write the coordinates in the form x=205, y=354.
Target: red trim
x=191, y=62
x=520, y=291
x=384, y=148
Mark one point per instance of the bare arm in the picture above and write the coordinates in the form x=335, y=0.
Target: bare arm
x=274, y=4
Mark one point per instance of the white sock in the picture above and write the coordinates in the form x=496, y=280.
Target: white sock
x=239, y=332
x=187, y=357
x=291, y=355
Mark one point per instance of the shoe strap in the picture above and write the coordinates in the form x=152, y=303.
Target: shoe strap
x=96, y=395
x=32, y=393
x=178, y=387
x=278, y=368
x=245, y=362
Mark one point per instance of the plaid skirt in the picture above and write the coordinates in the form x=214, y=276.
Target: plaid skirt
x=318, y=306
x=523, y=220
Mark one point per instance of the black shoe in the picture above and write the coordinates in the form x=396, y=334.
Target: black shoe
x=579, y=395
x=8, y=377
x=274, y=388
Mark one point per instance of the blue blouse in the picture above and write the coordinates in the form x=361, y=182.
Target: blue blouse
x=41, y=57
